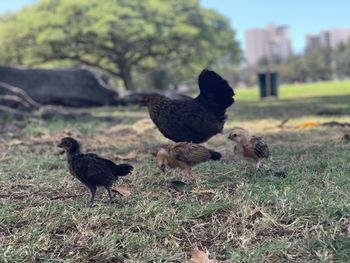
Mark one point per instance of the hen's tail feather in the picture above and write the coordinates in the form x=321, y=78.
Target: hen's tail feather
x=216, y=95
x=123, y=169
x=215, y=155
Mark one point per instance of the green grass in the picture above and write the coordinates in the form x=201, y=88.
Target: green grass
x=304, y=217
x=301, y=90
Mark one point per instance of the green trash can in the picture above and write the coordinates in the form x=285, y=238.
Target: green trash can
x=268, y=84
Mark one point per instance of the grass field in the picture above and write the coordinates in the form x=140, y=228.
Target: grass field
x=233, y=215
x=302, y=90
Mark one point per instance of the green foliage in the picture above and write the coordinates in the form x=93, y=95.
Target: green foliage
x=318, y=64
x=342, y=61
x=119, y=36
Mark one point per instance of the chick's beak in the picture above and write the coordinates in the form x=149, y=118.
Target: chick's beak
x=144, y=102
x=60, y=145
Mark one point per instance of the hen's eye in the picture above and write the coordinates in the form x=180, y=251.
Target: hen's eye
x=65, y=142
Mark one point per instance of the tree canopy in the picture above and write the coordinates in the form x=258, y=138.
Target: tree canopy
x=121, y=38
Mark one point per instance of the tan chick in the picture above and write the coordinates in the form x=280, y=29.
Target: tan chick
x=184, y=155
x=249, y=147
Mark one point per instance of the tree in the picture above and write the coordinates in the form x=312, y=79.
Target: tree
x=318, y=62
x=293, y=70
x=118, y=36
x=342, y=60
x=314, y=65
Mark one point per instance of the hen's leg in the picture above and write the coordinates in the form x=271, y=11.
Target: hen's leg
x=110, y=196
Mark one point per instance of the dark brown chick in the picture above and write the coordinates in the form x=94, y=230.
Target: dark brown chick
x=249, y=147
x=91, y=169
x=184, y=155
x=195, y=120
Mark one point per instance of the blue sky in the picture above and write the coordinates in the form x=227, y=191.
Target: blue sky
x=302, y=16
x=13, y=5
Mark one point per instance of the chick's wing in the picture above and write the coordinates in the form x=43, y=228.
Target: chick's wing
x=260, y=147
x=94, y=170
x=189, y=153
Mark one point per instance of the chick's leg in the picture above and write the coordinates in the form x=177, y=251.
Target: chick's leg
x=258, y=167
x=110, y=196
x=93, y=193
x=254, y=167
x=184, y=175
x=187, y=175
x=190, y=175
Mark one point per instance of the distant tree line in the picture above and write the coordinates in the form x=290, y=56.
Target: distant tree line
x=317, y=64
x=141, y=44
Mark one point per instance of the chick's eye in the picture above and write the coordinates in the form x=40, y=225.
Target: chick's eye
x=65, y=142
x=234, y=135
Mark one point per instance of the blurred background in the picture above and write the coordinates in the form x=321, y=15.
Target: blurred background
x=155, y=45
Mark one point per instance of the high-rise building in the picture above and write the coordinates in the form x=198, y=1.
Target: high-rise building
x=257, y=45
x=269, y=42
x=328, y=38
x=338, y=36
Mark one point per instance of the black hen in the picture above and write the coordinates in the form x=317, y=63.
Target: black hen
x=91, y=169
x=196, y=120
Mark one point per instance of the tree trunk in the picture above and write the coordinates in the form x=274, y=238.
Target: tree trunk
x=127, y=79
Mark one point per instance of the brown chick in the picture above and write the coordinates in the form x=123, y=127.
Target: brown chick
x=249, y=147
x=184, y=155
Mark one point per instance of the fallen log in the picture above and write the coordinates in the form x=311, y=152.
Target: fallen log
x=21, y=94
x=71, y=87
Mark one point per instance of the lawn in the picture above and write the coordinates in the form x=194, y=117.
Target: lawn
x=232, y=214
x=302, y=90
